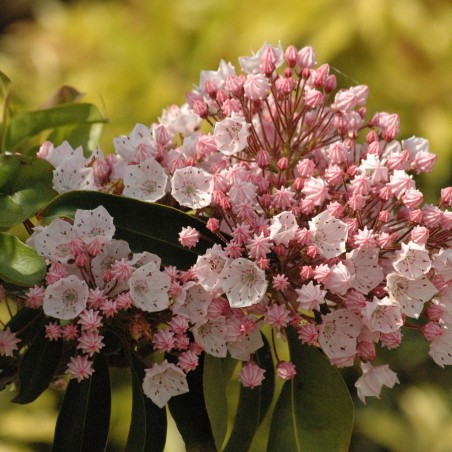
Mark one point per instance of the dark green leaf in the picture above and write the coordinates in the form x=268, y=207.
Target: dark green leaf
x=25, y=125
x=253, y=404
x=20, y=264
x=36, y=368
x=314, y=411
x=86, y=135
x=25, y=187
x=146, y=226
x=25, y=324
x=189, y=413
x=148, y=426
x=217, y=373
x=84, y=418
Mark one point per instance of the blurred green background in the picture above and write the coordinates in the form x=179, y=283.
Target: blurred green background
x=133, y=58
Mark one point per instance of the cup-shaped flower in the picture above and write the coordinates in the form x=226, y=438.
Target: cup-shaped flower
x=373, y=379
x=163, y=381
x=146, y=181
x=192, y=187
x=330, y=234
x=243, y=283
x=149, y=288
x=231, y=135
x=66, y=298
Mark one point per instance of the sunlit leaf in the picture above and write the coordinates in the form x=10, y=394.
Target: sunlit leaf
x=5, y=84
x=84, y=418
x=24, y=125
x=25, y=187
x=148, y=425
x=189, y=412
x=36, y=368
x=314, y=411
x=146, y=226
x=217, y=373
x=253, y=404
x=19, y=263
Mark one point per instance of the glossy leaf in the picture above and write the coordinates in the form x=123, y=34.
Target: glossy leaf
x=217, y=373
x=25, y=324
x=84, y=418
x=148, y=425
x=253, y=404
x=314, y=411
x=25, y=125
x=86, y=135
x=189, y=412
x=25, y=187
x=36, y=368
x=146, y=226
x=19, y=263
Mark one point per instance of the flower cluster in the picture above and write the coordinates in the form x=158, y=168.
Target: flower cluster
x=322, y=229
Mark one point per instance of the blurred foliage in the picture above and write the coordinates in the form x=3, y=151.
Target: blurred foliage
x=133, y=58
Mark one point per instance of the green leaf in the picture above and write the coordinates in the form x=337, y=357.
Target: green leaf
x=217, y=373
x=148, y=426
x=25, y=125
x=314, y=411
x=86, y=135
x=253, y=404
x=84, y=418
x=5, y=84
x=190, y=415
x=25, y=187
x=20, y=264
x=146, y=226
x=37, y=367
x=25, y=324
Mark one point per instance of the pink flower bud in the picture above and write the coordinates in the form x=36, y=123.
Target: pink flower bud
x=291, y=56
x=201, y=109
x=366, y=351
x=321, y=75
x=234, y=84
x=446, y=196
x=213, y=225
x=431, y=330
x=419, y=235
x=330, y=84
x=251, y=375
x=221, y=96
x=286, y=370
x=283, y=163
x=211, y=89
x=306, y=58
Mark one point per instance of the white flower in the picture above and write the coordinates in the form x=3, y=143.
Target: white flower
x=140, y=141
x=193, y=302
x=94, y=224
x=411, y=294
x=146, y=181
x=149, y=288
x=209, y=267
x=66, y=298
x=443, y=263
x=364, y=266
x=192, y=187
x=383, y=315
x=71, y=174
x=210, y=334
x=441, y=348
x=330, y=234
x=52, y=242
x=283, y=228
x=373, y=379
x=231, y=135
x=412, y=261
x=163, y=381
x=243, y=283
x=252, y=64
